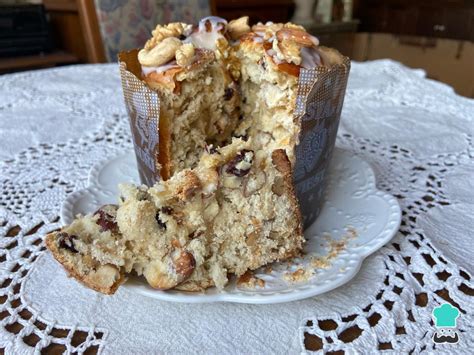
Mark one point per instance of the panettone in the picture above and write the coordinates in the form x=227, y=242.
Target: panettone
x=226, y=202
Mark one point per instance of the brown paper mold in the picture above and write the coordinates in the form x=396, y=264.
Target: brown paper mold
x=318, y=108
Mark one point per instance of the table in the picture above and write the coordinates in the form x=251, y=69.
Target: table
x=416, y=133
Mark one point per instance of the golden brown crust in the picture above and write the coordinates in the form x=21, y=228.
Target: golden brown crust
x=164, y=146
x=51, y=243
x=283, y=165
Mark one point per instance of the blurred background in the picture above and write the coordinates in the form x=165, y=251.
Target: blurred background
x=436, y=35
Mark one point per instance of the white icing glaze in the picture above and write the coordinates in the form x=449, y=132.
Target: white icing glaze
x=313, y=39
x=272, y=53
x=204, y=39
x=217, y=23
x=159, y=69
x=310, y=58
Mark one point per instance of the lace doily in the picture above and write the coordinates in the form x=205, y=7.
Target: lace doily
x=417, y=134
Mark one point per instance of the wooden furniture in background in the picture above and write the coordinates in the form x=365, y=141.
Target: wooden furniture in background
x=76, y=35
x=452, y=19
x=446, y=60
x=436, y=36
x=258, y=11
x=76, y=29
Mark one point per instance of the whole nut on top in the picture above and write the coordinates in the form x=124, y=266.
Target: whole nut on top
x=296, y=35
x=287, y=51
x=162, y=53
x=174, y=29
x=185, y=54
x=237, y=28
x=267, y=30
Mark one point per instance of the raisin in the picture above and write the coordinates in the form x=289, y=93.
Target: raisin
x=182, y=37
x=167, y=210
x=106, y=219
x=228, y=93
x=161, y=224
x=66, y=241
x=240, y=165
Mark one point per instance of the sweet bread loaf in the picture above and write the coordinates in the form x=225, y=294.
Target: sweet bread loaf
x=226, y=203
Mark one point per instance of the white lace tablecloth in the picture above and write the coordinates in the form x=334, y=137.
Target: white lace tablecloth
x=416, y=133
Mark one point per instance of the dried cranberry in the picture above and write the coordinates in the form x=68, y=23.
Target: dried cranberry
x=66, y=241
x=161, y=224
x=228, y=93
x=234, y=166
x=106, y=219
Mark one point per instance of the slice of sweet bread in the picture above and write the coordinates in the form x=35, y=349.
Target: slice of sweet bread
x=234, y=212
x=92, y=250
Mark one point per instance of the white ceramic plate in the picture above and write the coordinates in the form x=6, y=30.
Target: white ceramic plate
x=354, y=211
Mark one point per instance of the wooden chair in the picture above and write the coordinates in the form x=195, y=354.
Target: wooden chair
x=95, y=31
